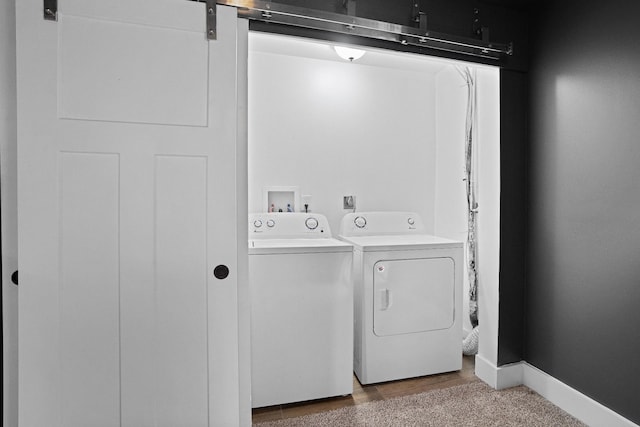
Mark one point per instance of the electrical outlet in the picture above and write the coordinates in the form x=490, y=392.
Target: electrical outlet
x=349, y=202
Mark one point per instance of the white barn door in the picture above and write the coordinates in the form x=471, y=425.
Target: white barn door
x=127, y=202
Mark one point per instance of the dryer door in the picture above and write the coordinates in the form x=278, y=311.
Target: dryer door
x=413, y=295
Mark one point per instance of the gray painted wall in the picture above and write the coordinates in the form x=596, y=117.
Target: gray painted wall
x=583, y=291
x=513, y=214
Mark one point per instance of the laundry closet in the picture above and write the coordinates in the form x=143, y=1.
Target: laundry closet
x=385, y=132
x=134, y=193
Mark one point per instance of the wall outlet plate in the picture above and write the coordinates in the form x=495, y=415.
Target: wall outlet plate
x=349, y=202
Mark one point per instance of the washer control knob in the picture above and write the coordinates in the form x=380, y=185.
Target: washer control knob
x=411, y=221
x=360, y=222
x=257, y=223
x=311, y=223
x=271, y=223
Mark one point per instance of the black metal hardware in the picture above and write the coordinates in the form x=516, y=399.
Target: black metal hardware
x=419, y=17
x=211, y=20
x=211, y=12
x=50, y=10
x=267, y=11
x=221, y=271
x=14, y=278
x=349, y=7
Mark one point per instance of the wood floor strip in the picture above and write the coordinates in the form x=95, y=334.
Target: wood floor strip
x=368, y=393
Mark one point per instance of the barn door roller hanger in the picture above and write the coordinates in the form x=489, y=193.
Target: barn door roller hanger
x=211, y=18
x=50, y=10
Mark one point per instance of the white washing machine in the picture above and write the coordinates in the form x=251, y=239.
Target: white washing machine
x=407, y=297
x=301, y=309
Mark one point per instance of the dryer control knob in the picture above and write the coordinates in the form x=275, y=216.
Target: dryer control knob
x=360, y=222
x=257, y=223
x=311, y=223
x=411, y=221
x=271, y=223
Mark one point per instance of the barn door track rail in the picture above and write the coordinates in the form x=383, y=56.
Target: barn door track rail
x=267, y=11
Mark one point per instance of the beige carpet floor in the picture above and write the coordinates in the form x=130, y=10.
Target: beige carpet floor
x=474, y=404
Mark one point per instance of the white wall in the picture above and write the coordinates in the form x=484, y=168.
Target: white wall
x=8, y=191
x=450, y=201
x=336, y=128
x=488, y=197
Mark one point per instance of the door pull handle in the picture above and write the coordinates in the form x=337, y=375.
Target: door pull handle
x=221, y=272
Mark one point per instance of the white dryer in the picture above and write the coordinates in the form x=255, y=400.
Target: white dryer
x=301, y=309
x=407, y=297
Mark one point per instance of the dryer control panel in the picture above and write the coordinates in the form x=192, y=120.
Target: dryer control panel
x=287, y=225
x=381, y=223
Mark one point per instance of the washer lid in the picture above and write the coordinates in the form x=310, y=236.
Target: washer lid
x=292, y=246
x=400, y=242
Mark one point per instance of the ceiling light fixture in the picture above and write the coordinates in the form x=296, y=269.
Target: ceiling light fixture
x=349, y=54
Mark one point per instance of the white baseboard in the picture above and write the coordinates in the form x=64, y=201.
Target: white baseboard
x=571, y=400
x=568, y=399
x=498, y=377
